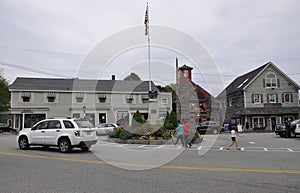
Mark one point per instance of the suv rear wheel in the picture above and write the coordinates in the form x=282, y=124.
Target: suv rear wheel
x=64, y=145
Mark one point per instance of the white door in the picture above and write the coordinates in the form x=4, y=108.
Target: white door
x=52, y=133
x=37, y=134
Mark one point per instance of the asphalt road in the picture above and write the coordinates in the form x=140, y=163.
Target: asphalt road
x=266, y=163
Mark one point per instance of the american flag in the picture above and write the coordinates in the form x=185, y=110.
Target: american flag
x=146, y=22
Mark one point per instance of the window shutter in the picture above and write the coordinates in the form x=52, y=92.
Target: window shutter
x=268, y=98
x=261, y=98
x=276, y=98
x=264, y=83
x=252, y=97
x=291, y=97
x=282, y=97
x=278, y=83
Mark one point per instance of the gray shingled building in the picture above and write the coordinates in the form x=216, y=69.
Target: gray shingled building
x=264, y=97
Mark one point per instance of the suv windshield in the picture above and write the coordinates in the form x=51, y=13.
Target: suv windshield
x=84, y=124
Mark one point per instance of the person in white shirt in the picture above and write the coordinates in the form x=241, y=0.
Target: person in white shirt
x=233, y=140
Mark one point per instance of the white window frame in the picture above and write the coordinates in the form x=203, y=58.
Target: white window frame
x=79, y=95
x=255, y=99
x=164, y=101
x=51, y=94
x=275, y=99
x=26, y=94
x=260, y=122
x=271, y=82
x=185, y=73
x=290, y=97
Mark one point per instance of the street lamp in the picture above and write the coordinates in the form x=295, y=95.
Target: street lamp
x=83, y=109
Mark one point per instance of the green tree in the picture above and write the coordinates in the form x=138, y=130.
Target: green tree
x=168, y=88
x=4, y=94
x=132, y=76
x=170, y=121
x=138, y=117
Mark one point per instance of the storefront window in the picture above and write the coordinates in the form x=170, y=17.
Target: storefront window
x=258, y=122
x=31, y=119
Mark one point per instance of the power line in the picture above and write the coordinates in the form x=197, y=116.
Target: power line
x=143, y=57
x=2, y=63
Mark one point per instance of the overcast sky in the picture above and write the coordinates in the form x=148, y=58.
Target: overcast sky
x=52, y=38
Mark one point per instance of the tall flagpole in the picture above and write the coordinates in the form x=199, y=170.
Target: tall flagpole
x=147, y=33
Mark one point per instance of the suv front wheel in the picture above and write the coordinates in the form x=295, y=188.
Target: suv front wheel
x=64, y=145
x=23, y=143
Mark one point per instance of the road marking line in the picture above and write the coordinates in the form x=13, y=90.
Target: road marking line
x=290, y=150
x=199, y=147
x=195, y=168
x=161, y=146
x=265, y=149
x=252, y=142
x=242, y=149
x=221, y=148
x=141, y=146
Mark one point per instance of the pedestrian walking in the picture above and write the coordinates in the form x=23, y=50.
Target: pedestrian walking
x=186, y=132
x=247, y=126
x=234, y=133
x=179, y=133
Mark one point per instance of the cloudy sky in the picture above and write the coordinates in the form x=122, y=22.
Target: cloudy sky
x=53, y=38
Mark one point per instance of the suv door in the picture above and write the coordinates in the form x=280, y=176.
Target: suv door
x=53, y=132
x=37, y=134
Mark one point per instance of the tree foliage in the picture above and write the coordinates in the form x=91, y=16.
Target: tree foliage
x=4, y=94
x=170, y=121
x=132, y=76
x=168, y=88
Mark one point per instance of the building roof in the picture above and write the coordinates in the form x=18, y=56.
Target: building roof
x=242, y=82
x=54, y=84
x=185, y=67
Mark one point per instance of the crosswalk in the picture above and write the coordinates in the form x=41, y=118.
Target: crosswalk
x=198, y=147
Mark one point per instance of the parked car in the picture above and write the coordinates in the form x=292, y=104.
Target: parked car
x=208, y=127
x=4, y=128
x=297, y=126
x=106, y=129
x=280, y=129
x=62, y=132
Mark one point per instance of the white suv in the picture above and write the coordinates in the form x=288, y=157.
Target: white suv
x=62, y=132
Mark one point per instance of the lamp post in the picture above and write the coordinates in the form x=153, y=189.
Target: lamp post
x=83, y=109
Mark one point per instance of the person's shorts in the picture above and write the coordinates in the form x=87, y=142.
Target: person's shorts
x=233, y=138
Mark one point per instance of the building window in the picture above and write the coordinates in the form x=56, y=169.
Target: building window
x=258, y=122
x=257, y=98
x=51, y=97
x=185, y=73
x=79, y=97
x=26, y=97
x=145, y=98
x=76, y=115
x=162, y=115
x=129, y=99
x=229, y=102
x=164, y=101
x=272, y=98
x=287, y=98
x=271, y=80
x=102, y=97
